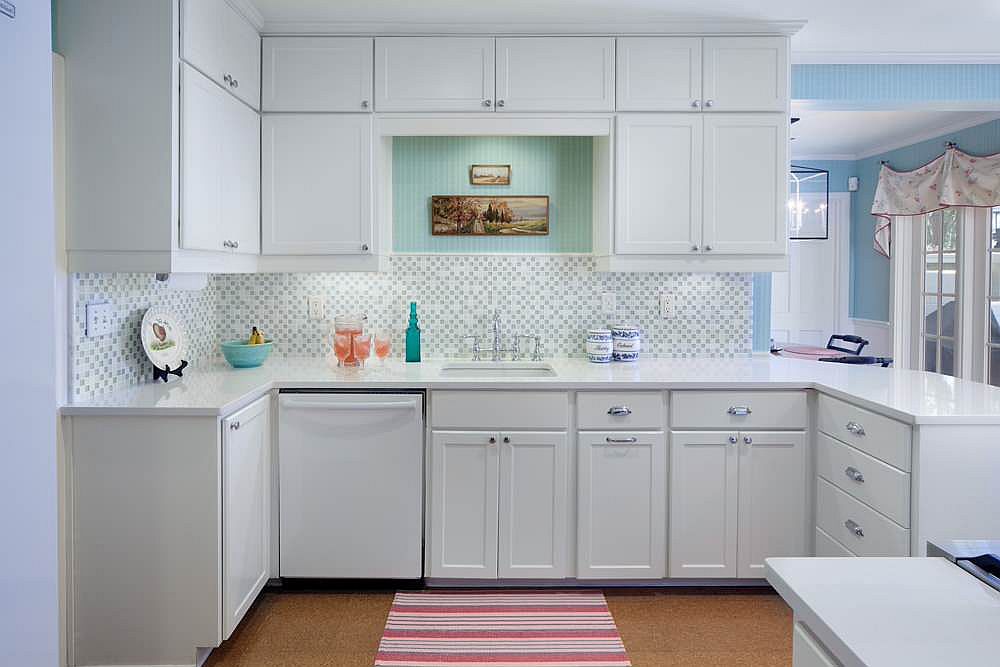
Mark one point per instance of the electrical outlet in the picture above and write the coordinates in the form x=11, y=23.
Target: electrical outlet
x=99, y=319
x=668, y=309
x=316, y=307
x=608, y=303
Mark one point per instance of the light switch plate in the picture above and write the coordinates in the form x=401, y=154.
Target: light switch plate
x=317, y=308
x=99, y=319
x=608, y=303
x=668, y=308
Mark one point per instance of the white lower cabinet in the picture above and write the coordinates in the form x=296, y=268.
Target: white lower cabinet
x=246, y=510
x=498, y=505
x=622, y=505
x=736, y=498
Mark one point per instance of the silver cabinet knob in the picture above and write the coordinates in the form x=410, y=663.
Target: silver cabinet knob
x=487, y=103
x=227, y=244
x=853, y=526
x=708, y=248
x=364, y=247
x=506, y=439
x=236, y=244
x=364, y=104
x=619, y=411
x=747, y=440
x=695, y=103
x=234, y=426
x=695, y=248
x=228, y=79
x=854, y=475
x=236, y=83
x=732, y=439
x=855, y=428
x=709, y=103
x=501, y=103
x=739, y=410
x=621, y=441
x=493, y=440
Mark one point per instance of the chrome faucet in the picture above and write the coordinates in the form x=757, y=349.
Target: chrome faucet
x=497, y=334
x=496, y=327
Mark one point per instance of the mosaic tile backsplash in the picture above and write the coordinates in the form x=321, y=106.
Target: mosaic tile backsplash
x=556, y=297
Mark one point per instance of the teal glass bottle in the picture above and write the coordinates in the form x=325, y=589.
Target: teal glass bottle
x=413, y=335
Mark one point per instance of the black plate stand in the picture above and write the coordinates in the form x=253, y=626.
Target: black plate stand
x=165, y=373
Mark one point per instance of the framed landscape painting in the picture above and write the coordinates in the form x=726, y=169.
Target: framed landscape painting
x=489, y=174
x=462, y=215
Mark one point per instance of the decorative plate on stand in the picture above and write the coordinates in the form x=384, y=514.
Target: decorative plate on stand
x=164, y=341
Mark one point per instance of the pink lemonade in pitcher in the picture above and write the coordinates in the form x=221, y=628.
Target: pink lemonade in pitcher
x=346, y=329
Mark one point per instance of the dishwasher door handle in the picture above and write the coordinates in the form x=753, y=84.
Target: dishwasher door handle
x=289, y=402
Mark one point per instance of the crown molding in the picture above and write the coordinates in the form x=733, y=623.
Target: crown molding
x=654, y=26
x=249, y=12
x=894, y=58
x=824, y=157
x=928, y=134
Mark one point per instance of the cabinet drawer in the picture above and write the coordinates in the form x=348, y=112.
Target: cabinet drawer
x=826, y=546
x=883, y=438
x=499, y=409
x=878, y=484
x=807, y=651
x=738, y=409
x=840, y=515
x=628, y=410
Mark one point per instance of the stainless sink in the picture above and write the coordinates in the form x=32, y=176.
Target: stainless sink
x=498, y=369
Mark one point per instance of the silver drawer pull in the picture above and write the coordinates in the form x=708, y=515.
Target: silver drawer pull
x=739, y=410
x=854, y=474
x=855, y=428
x=621, y=441
x=853, y=526
x=619, y=411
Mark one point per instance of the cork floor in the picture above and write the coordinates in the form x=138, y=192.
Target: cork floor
x=662, y=628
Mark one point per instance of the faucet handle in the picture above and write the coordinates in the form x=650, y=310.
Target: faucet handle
x=475, y=346
x=536, y=354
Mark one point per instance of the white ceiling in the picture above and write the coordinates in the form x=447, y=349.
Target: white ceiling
x=851, y=134
x=961, y=30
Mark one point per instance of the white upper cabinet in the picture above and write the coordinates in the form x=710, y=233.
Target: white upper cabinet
x=434, y=73
x=555, y=74
x=220, y=163
x=317, y=73
x=658, y=74
x=219, y=41
x=317, y=184
x=745, y=186
x=658, y=191
x=746, y=74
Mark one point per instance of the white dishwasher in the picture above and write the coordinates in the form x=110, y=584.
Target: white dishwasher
x=350, y=474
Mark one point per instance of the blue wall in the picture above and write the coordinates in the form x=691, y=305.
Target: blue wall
x=560, y=167
x=874, y=85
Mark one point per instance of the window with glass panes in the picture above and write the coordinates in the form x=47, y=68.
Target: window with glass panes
x=993, y=303
x=940, y=288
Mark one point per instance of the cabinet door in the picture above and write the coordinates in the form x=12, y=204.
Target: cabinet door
x=317, y=73
x=658, y=74
x=240, y=46
x=434, y=73
x=772, y=499
x=223, y=45
x=241, y=176
x=203, y=138
x=622, y=505
x=555, y=74
x=658, y=195
x=316, y=184
x=746, y=183
x=746, y=74
x=703, y=504
x=463, y=521
x=533, y=488
x=246, y=509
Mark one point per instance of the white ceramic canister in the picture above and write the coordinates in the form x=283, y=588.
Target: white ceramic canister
x=626, y=342
x=599, y=346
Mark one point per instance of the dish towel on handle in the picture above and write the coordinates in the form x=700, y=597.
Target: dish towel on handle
x=501, y=629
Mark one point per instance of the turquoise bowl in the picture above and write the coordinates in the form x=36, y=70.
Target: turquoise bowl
x=241, y=354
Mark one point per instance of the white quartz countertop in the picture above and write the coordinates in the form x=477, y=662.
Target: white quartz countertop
x=875, y=612
x=911, y=396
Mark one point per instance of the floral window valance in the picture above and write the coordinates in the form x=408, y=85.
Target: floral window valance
x=953, y=179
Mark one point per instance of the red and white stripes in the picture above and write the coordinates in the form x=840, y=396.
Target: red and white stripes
x=501, y=629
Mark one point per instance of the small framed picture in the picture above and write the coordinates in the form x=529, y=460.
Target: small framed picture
x=489, y=174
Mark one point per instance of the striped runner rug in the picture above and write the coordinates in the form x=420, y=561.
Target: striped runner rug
x=501, y=629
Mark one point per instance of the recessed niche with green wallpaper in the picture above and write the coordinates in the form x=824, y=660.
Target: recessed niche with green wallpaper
x=560, y=167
